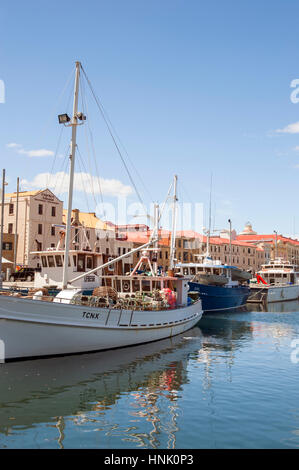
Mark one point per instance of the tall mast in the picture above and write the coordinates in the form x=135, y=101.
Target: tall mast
x=156, y=237
x=210, y=222
x=72, y=168
x=172, y=241
x=16, y=227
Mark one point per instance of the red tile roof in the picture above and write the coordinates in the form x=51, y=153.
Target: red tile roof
x=267, y=238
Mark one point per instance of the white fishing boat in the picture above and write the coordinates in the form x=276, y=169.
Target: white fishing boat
x=277, y=281
x=39, y=325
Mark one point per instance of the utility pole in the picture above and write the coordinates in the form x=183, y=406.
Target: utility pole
x=2, y=224
x=230, y=242
x=16, y=226
x=275, y=255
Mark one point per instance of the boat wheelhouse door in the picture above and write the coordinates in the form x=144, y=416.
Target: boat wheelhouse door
x=81, y=263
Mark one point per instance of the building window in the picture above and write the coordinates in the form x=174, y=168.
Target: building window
x=39, y=246
x=166, y=254
x=10, y=228
x=40, y=209
x=179, y=243
x=40, y=229
x=7, y=246
x=53, y=231
x=53, y=211
x=10, y=209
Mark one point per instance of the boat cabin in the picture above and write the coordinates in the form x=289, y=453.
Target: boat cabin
x=127, y=286
x=278, y=272
x=191, y=269
x=51, y=262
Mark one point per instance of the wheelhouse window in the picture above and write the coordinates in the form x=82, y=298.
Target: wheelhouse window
x=89, y=262
x=51, y=261
x=44, y=262
x=58, y=261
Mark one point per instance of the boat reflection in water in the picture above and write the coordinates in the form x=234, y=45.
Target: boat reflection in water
x=84, y=390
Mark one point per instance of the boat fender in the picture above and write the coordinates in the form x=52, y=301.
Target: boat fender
x=38, y=295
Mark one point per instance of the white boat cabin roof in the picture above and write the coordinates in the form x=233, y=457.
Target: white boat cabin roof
x=279, y=265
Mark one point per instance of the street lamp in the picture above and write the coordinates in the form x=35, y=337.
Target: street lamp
x=275, y=243
x=63, y=118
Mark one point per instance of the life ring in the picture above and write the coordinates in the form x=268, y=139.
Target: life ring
x=126, y=286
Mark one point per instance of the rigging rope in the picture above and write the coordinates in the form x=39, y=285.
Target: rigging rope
x=109, y=127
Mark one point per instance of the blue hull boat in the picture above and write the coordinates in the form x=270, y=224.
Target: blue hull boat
x=217, y=298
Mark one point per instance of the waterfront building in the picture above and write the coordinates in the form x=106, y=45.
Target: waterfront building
x=90, y=233
x=190, y=244
x=274, y=245
x=38, y=211
x=8, y=252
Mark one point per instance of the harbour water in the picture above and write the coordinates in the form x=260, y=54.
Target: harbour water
x=231, y=382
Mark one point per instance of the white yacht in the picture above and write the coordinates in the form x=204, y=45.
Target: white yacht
x=277, y=281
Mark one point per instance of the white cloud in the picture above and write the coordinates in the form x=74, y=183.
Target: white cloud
x=13, y=145
x=290, y=129
x=296, y=148
x=36, y=153
x=30, y=153
x=82, y=182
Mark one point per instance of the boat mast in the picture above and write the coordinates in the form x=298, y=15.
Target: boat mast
x=172, y=241
x=156, y=237
x=210, y=221
x=72, y=168
x=16, y=228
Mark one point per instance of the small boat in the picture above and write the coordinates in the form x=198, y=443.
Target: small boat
x=215, y=285
x=39, y=325
x=277, y=281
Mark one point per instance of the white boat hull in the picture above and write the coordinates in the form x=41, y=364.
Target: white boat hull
x=34, y=328
x=275, y=293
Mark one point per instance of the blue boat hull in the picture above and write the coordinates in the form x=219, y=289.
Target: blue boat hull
x=217, y=298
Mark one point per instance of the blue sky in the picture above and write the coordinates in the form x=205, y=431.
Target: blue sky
x=192, y=87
